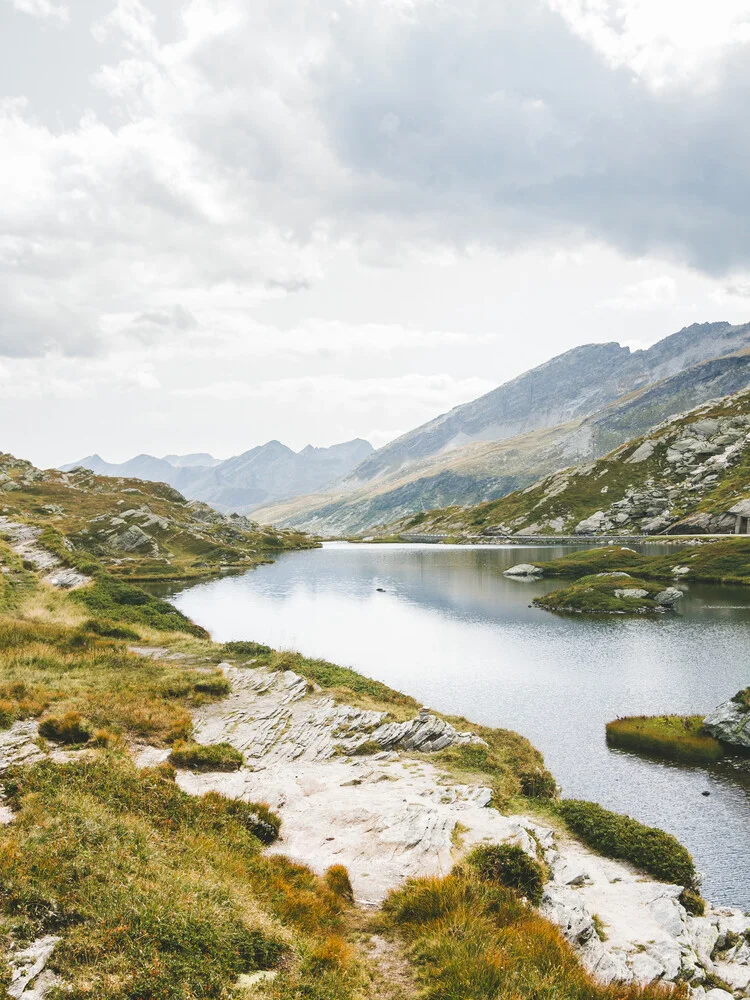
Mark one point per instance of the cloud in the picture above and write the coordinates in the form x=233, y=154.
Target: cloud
x=435, y=392
x=241, y=154
x=44, y=9
x=645, y=294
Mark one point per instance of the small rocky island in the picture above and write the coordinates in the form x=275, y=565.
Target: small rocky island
x=616, y=593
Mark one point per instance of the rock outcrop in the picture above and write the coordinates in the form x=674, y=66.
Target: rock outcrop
x=730, y=721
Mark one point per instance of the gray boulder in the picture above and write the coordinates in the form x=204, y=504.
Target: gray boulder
x=730, y=722
x=669, y=597
x=524, y=569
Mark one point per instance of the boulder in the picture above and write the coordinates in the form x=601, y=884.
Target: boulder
x=524, y=569
x=669, y=597
x=730, y=721
x=591, y=525
x=631, y=592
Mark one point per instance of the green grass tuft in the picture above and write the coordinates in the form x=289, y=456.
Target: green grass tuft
x=676, y=737
x=206, y=757
x=510, y=866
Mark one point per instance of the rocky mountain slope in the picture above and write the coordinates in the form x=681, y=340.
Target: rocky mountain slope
x=572, y=385
x=484, y=471
x=244, y=482
x=129, y=525
x=688, y=475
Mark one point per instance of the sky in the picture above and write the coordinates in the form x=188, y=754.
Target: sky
x=225, y=222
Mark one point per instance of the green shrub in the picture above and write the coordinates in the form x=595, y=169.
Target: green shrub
x=206, y=757
x=652, y=850
x=510, y=866
x=245, y=648
x=67, y=728
x=472, y=940
x=123, y=602
x=338, y=881
x=693, y=902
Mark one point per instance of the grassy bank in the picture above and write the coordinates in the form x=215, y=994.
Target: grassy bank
x=722, y=561
x=675, y=737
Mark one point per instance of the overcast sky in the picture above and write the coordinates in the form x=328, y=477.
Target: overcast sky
x=225, y=221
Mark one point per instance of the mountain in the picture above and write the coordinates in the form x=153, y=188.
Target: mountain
x=201, y=458
x=688, y=475
x=244, y=482
x=571, y=385
x=577, y=406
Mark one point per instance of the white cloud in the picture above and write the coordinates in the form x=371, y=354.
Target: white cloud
x=44, y=9
x=646, y=294
x=434, y=391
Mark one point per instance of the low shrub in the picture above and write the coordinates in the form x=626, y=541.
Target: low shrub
x=338, y=881
x=216, y=686
x=652, y=850
x=245, y=648
x=114, y=599
x=676, y=737
x=154, y=893
x=70, y=727
x=206, y=757
x=693, y=902
x=510, y=866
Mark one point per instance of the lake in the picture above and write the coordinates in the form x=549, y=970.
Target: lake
x=455, y=633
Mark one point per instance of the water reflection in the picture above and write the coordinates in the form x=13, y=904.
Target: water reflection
x=451, y=630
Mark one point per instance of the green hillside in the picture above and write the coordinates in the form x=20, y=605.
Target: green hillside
x=133, y=528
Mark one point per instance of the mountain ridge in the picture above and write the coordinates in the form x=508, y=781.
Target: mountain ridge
x=481, y=471
x=241, y=483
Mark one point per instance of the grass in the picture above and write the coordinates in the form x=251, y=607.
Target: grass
x=651, y=850
x=156, y=894
x=676, y=737
x=61, y=669
x=116, y=599
x=725, y=560
x=599, y=595
x=510, y=866
x=206, y=757
x=471, y=940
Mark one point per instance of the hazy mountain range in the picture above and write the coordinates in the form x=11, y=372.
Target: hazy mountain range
x=577, y=406
x=242, y=483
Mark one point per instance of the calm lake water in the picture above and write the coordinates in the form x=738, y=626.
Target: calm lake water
x=455, y=633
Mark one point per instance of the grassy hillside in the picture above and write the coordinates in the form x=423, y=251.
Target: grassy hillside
x=681, y=477
x=132, y=528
